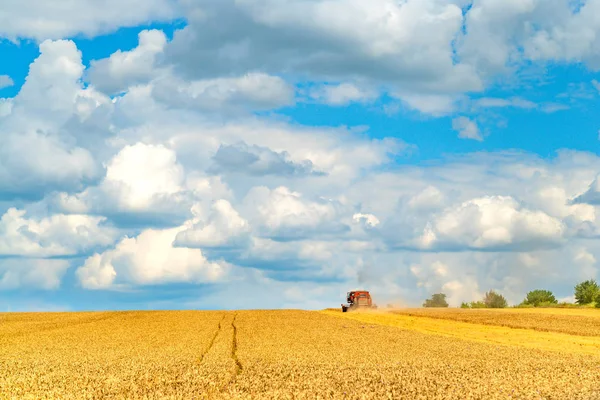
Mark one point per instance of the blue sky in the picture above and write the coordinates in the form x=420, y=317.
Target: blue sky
x=265, y=154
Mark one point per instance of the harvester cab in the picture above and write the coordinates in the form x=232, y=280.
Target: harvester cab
x=358, y=299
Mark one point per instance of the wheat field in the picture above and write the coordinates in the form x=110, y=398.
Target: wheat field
x=294, y=354
x=570, y=321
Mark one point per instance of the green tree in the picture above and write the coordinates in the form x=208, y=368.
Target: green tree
x=586, y=292
x=494, y=300
x=539, y=296
x=598, y=301
x=437, y=300
x=477, y=304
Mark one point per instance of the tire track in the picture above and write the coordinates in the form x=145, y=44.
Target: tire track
x=233, y=355
x=238, y=364
x=214, y=338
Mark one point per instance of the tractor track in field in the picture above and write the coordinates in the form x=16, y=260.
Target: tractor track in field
x=238, y=364
x=234, y=357
x=214, y=338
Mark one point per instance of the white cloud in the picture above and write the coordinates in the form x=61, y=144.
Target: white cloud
x=368, y=219
x=328, y=39
x=223, y=227
x=254, y=91
x=38, y=153
x=128, y=68
x=436, y=105
x=337, y=152
x=282, y=213
x=5, y=81
x=57, y=235
x=140, y=178
x=148, y=259
x=466, y=128
x=39, y=20
x=505, y=33
x=32, y=273
x=259, y=161
x=342, y=94
x=141, y=172
x=427, y=50
x=430, y=198
x=145, y=66
x=497, y=223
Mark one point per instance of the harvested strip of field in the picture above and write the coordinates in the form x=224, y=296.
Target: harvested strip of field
x=550, y=341
x=574, y=322
x=295, y=354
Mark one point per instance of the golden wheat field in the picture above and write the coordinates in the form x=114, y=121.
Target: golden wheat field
x=293, y=354
x=571, y=321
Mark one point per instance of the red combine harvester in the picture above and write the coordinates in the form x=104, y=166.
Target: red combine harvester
x=358, y=299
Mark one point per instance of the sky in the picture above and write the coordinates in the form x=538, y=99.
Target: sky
x=235, y=154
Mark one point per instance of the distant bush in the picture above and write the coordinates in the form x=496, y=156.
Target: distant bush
x=586, y=292
x=437, y=300
x=478, y=304
x=494, y=300
x=540, y=298
x=473, y=304
x=598, y=301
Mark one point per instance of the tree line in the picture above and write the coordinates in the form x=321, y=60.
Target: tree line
x=587, y=293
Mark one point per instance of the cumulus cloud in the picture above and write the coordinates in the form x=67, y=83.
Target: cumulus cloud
x=252, y=91
x=260, y=161
x=427, y=52
x=492, y=223
x=141, y=172
x=224, y=227
x=142, y=182
x=37, y=153
x=466, y=128
x=146, y=65
x=21, y=18
x=328, y=40
x=339, y=153
x=127, y=68
x=501, y=35
x=429, y=199
x=284, y=214
x=367, y=219
x=57, y=235
x=148, y=259
x=32, y=273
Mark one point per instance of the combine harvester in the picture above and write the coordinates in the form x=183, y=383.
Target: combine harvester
x=358, y=299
